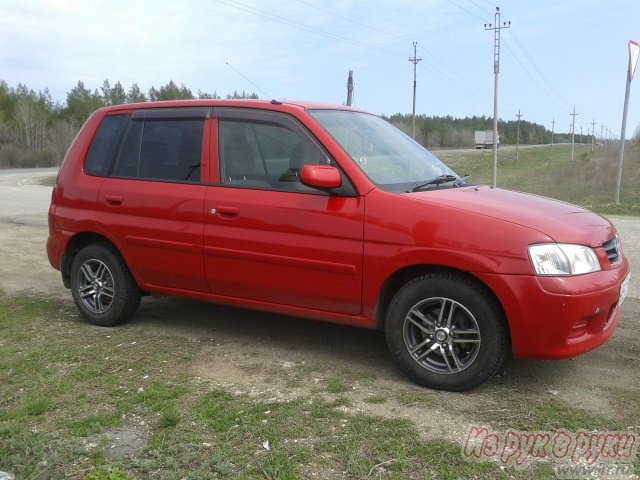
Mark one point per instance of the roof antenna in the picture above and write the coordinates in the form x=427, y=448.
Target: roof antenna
x=240, y=73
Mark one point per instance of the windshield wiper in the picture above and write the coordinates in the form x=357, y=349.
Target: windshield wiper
x=192, y=168
x=458, y=181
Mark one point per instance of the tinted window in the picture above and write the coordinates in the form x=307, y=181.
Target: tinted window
x=105, y=145
x=127, y=165
x=171, y=150
x=162, y=149
x=266, y=154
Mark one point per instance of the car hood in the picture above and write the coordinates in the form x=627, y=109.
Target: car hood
x=564, y=222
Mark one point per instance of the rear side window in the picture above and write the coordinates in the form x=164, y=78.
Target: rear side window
x=105, y=145
x=155, y=144
x=171, y=149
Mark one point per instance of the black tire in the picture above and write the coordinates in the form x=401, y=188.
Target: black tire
x=456, y=357
x=102, y=287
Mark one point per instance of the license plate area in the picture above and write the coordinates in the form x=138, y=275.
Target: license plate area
x=624, y=289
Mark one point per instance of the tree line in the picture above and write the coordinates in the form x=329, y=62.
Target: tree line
x=35, y=130
x=439, y=132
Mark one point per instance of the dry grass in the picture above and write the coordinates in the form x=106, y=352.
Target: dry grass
x=588, y=180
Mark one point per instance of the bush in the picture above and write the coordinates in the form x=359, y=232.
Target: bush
x=15, y=157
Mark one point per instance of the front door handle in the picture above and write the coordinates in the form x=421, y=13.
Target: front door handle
x=225, y=211
x=113, y=200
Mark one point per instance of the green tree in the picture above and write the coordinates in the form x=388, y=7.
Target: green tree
x=30, y=117
x=135, y=95
x=113, y=95
x=81, y=103
x=170, y=91
x=205, y=95
x=243, y=95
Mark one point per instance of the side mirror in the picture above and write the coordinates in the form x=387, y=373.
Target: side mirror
x=322, y=177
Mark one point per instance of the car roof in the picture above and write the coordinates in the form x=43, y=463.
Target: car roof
x=284, y=105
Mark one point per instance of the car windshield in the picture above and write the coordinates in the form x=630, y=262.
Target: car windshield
x=391, y=159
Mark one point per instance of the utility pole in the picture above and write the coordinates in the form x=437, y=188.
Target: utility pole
x=601, y=139
x=518, y=135
x=593, y=133
x=581, y=139
x=553, y=124
x=573, y=131
x=496, y=27
x=350, y=88
x=415, y=61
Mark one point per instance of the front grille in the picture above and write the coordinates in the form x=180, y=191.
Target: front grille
x=612, y=249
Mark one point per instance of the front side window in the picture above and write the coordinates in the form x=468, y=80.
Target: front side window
x=392, y=160
x=266, y=151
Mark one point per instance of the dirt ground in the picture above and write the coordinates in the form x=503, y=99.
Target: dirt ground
x=275, y=357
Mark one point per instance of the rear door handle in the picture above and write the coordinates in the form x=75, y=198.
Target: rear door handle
x=225, y=211
x=113, y=200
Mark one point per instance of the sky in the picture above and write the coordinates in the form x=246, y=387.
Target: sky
x=555, y=55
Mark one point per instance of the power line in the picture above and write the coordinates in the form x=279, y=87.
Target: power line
x=466, y=10
x=355, y=22
x=450, y=74
x=292, y=23
x=489, y=3
x=537, y=68
x=533, y=79
x=481, y=8
x=474, y=94
x=240, y=73
x=447, y=76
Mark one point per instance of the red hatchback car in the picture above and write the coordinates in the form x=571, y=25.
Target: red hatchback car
x=332, y=214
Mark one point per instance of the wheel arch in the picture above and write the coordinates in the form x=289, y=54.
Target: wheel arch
x=401, y=277
x=77, y=243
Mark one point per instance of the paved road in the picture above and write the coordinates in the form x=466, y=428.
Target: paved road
x=501, y=149
x=22, y=197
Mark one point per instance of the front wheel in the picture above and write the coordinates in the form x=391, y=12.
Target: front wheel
x=446, y=332
x=102, y=287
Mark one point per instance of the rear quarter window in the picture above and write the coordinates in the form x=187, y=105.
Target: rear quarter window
x=105, y=145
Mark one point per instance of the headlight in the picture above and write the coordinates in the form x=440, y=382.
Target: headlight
x=563, y=259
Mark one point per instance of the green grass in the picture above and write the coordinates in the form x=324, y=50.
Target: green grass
x=67, y=384
x=375, y=399
x=588, y=180
x=69, y=389
x=418, y=398
x=552, y=415
x=335, y=384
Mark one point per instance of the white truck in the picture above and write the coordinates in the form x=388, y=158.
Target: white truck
x=484, y=139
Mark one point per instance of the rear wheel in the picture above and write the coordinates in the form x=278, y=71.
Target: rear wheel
x=446, y=332
x=102, y=287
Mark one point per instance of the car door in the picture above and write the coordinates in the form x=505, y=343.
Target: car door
x=268, y=237
x=151, y=203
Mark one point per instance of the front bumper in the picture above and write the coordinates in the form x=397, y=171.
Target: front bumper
x=559, y=317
